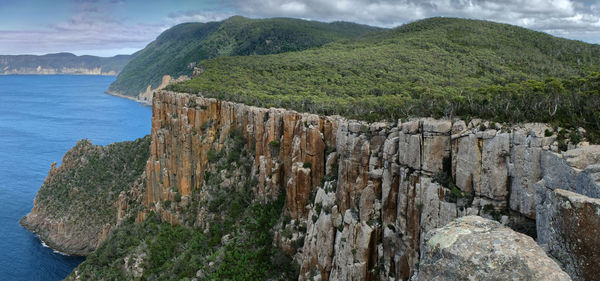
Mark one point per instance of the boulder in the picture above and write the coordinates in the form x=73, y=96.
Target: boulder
x=474, y=248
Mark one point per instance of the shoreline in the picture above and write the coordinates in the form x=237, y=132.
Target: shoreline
x=44, y=243
x=142, y=102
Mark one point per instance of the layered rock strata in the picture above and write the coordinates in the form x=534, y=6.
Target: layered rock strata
x=367, y=192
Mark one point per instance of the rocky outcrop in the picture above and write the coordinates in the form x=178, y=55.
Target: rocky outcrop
x=367, y=192
x=577, y=170
x=145, y=97
x=568, y=210
x=84, y=199
x=474, y=248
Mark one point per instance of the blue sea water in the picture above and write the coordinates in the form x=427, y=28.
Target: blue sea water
x=41, y=117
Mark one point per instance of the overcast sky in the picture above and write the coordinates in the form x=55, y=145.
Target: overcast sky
x=109, y=27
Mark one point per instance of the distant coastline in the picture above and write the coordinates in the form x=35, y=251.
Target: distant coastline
x=62, y=73
x=62, y=63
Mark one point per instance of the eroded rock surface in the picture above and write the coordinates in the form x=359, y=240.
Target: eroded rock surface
x=568, y=227
x=474, y=248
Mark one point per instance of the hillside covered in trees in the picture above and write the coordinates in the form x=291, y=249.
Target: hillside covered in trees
x=176, y=50
x=434, y=67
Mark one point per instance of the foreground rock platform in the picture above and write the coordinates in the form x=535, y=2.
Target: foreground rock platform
x=474, y=248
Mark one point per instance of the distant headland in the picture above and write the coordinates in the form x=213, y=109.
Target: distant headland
x=62, y=63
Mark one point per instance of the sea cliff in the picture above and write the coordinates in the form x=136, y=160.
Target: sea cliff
x=368, y=192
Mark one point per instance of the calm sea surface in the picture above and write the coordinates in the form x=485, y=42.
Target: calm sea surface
x=41, y=117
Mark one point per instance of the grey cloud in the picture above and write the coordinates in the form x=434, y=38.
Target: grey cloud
x=92, y=27
x=568, y=18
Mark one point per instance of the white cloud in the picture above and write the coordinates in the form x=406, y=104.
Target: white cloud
x=195, y=16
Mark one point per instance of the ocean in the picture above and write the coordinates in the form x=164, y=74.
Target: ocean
x=41, y=117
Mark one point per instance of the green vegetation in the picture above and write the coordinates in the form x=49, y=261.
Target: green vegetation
x=176, y=51
x=87, y=185
x=178, y=252
x=440, y=67
x=274, y=144
x=29, y=63
x=233, y=240
x=456, y=194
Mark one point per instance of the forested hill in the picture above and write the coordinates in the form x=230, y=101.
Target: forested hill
x=62, y=63
x=433, y=67
x=176, y=50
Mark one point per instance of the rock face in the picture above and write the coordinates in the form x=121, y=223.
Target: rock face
x=83, y=200
x=146, y=96
x=474, y=248
x=568, y=226
x=367, y=192
x=568, y=210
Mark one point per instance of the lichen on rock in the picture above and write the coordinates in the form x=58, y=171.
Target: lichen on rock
x=474, y=248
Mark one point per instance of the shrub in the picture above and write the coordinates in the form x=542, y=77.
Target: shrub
x=575, y=137
x=318, y=207
x=213, y=156
x=207, y=125
x=274, y=144
x=488, y=208
x=562, y=145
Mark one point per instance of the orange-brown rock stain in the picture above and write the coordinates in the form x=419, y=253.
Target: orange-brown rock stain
x=289, y=147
